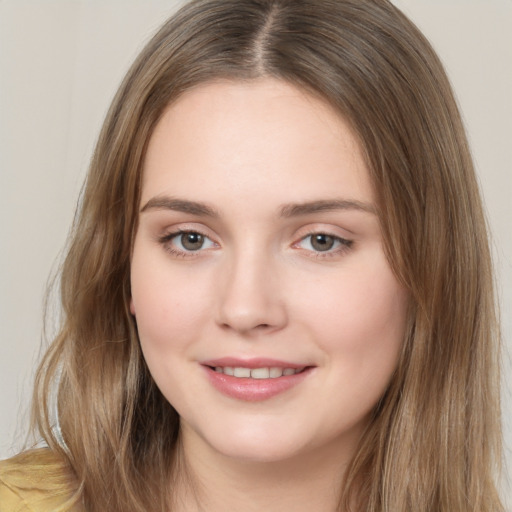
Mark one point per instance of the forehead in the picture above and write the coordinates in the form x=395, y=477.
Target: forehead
x=259, y=138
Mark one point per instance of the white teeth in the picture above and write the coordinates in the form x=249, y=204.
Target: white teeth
x=242, y=372
x=257, y=373
x=276, y=372
x=260, y=373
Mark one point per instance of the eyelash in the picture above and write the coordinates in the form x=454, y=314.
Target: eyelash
x=169, y=237
x=344, y=245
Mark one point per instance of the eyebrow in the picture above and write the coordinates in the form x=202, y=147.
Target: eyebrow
x=287, y=211
x=180, y=205
x=326, y=205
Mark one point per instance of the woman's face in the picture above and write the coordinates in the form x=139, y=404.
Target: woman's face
x=267, y=312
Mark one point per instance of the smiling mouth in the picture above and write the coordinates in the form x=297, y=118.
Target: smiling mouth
x=256, y=380
x=257, y=373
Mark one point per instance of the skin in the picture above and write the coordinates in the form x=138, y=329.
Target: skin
x=258, y=287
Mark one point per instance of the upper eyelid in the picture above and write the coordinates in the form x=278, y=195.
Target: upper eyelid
x=312, y=226
x=343, y=240
x=323, y=232
x=178, y=228
x=324, y=229
x=178, y=231
x=167, y=237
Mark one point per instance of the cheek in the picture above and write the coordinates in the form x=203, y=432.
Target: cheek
x=169, y=306
x=358, y=319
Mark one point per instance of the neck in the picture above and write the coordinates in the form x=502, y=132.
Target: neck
x=213, y=482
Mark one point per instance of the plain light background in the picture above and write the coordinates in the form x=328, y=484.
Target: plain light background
x=60, y=64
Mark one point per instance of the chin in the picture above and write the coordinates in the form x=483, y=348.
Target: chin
x=258, y=442
x=260, y=451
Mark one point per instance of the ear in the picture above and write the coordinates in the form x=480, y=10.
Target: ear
x=132, y=307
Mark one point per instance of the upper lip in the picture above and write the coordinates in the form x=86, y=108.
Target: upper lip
x=255, y=362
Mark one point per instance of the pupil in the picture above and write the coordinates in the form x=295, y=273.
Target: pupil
x=322, y=242
x=192, y=241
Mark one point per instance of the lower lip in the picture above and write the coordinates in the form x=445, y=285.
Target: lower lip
x=254, y=390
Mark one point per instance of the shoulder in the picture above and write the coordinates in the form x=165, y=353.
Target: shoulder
x=36, y=481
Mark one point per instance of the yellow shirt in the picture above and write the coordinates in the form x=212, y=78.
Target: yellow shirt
x=36, y=481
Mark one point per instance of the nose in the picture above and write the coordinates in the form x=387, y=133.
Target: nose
x=251, y=298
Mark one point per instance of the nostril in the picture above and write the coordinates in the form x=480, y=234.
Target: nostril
x=226, y=325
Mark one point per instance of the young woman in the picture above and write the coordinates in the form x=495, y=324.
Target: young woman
x=278, y=291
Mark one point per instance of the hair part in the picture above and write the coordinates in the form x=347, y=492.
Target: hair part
x=434, y=440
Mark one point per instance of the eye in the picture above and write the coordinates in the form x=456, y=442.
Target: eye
x=183, y=242
x=323, y=243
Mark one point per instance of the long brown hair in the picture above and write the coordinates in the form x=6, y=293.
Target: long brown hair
x=434, y=440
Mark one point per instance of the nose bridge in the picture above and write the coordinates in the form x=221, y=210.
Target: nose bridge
x=250, y=297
